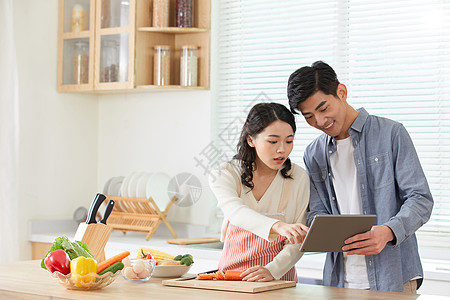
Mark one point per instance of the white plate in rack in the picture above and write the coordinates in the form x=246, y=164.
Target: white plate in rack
x=133, y=183
x=115, y=186
x=141, y=187
x=157, y=189
x=125, y=184
x=106, y=187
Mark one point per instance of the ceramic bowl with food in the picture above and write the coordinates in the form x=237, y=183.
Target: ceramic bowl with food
x=171, y=270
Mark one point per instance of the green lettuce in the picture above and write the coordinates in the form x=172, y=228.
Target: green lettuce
x=73, y=249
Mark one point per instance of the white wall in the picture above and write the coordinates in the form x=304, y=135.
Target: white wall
x=156, y=132
x=70, y=144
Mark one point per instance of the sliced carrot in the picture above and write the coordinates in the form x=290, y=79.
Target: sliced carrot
x=112, y=260
x=219, y=275
x=205, y=276
x=233, y=275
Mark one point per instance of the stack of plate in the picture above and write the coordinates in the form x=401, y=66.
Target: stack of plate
x=140, y=185
x=113, y=185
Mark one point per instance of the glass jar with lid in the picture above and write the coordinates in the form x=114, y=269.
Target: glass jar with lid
x=161, y=65
x=189, y=65
x=81, y=62
x=109, y=61
x=79, y=18
x=184, y=13
x=160, y=13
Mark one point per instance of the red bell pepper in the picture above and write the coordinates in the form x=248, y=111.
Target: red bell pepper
x=58, y=260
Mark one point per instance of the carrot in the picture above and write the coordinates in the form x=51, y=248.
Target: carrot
x=112, y=260
x=233, y=275
x=205, y=276
x=219, y=275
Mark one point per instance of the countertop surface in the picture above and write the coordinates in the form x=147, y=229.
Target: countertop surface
x=206, y=255
x=309, y=268
x=26, y=280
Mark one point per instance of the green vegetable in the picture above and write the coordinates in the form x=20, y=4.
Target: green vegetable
x=178, y=257
x=188, y=255
x=73, y=249
x=113, y=268
x=187, y=260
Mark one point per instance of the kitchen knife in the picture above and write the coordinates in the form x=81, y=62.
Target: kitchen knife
x=108, y=211
x=189, y=277
x=98, y=200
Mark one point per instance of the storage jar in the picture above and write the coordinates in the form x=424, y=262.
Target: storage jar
x=109, y=61
x=189, y=65
x=185, y=13
x=79, y=20
x=81, y=62
x=161, y=65
x=160, y=13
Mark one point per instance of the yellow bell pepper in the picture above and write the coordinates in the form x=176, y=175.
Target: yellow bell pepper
x=83, y=270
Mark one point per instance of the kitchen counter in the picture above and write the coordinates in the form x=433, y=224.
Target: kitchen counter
x=206, y=256
x=309, y=267
x=26, y=280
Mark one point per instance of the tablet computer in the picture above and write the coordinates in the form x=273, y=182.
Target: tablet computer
x=328, y=232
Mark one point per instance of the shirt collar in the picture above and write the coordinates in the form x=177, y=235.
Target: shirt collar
x=357, y=125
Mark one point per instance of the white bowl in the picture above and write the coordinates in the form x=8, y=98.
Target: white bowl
x=171, y=270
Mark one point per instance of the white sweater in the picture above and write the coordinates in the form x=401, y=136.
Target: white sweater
x=254, y=216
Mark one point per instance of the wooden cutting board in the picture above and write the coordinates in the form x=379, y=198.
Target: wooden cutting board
x=189, y=241
x=232, y=286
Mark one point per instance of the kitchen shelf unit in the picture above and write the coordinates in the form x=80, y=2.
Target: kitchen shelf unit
x=107, y=21
x=137, y=39
x=147, y=37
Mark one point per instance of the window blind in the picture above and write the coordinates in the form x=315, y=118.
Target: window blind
x=393, y=57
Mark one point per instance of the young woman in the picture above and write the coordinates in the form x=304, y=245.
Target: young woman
x=264, y=198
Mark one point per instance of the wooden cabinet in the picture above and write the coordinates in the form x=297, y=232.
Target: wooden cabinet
x=147, y=37
x=96, y=45
x=39, y=250
x=108, y=45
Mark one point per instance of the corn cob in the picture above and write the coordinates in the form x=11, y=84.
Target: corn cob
x=156, y=254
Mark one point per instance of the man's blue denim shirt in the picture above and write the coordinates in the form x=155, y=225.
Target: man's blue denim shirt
x=393, y=187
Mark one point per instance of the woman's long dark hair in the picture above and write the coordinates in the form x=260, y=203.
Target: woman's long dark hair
x=260, y=116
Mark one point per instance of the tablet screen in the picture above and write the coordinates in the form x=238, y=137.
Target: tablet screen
x=328, y=232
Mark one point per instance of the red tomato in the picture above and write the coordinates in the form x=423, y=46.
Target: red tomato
x=58, y=260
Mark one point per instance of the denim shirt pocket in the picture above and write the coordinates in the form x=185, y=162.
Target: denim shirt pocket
x=319, y=177
x=319, y=181
x=380, y=172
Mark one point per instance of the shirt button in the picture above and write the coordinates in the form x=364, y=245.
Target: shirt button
x=329, y=174
x=330, y=151
x=376, y=158
x=333, y=198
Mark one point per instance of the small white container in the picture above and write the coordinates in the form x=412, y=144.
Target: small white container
x=189, y=65
x=161, y=65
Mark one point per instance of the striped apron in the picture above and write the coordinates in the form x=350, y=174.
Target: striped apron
x=243, y=249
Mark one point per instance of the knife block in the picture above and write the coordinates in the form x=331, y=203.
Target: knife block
x=95, y=236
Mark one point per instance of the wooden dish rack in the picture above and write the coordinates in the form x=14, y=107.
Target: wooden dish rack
x=138, y=215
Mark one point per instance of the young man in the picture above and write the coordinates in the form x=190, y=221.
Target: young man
x=363, y=164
